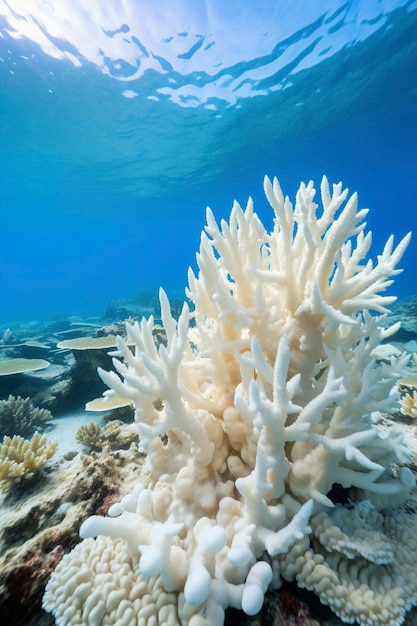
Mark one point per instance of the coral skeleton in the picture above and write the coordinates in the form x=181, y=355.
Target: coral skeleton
x=253, y=414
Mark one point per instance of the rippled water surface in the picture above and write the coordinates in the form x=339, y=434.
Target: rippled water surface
x=121, y=121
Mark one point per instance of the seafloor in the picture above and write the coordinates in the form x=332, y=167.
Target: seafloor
x=40, y=516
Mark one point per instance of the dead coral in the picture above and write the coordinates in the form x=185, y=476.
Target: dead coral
x=115, y=434
x=18, y=416
x=19, y=458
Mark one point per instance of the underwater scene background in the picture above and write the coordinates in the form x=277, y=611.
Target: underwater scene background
x=121, y=121
x=256, y=462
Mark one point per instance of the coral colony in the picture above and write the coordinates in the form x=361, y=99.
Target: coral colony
x=263, y=462
x=21, y=458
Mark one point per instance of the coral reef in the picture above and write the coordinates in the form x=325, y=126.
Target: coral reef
x=58, y=383
x=43, y=381
x=18, y=416
x=20, y=459
x=38, y=526
x=362, y=567
x=256, y=416
x=115, y=434
x=89, y=353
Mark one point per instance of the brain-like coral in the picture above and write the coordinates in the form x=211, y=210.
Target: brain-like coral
x=18, y=416
x=359, y=562
x=21, y=458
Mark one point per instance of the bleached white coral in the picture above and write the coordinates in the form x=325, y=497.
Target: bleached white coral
x=251, y=414
x=98, y=579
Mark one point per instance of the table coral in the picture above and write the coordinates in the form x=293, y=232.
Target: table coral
x=255, y=413
x=21, y=458
x=9, y=367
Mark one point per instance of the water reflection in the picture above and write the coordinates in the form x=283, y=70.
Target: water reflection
x=204, y=53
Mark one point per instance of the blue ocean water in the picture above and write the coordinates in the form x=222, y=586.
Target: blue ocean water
x=120, y=122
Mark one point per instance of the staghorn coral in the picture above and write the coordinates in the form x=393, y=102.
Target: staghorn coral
x=253, y=415
x=114, y=434
x=18, y=416
x=20, y=459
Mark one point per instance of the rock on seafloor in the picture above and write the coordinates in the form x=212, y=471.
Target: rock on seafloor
x=40, y=519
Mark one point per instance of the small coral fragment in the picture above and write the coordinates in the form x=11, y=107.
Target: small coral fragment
x=409, y=404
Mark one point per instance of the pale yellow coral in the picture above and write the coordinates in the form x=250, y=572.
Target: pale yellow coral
x=115, y=434
x=409, y=404
x=20, y=365
x=107, y=404
x=89, y=343
x=89, y=435
x=20, y=458
x=18, y=416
